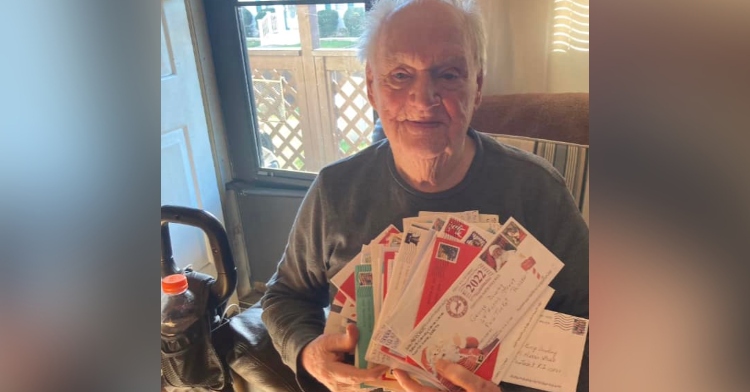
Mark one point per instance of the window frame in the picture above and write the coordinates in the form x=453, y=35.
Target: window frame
x=231, y=65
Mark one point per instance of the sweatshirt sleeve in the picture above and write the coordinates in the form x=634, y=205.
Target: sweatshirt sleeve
x=298, y=291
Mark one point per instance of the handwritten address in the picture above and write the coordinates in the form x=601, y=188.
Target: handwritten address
x=539, y=357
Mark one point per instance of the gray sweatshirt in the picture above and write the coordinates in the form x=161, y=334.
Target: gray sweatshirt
x=353, y=200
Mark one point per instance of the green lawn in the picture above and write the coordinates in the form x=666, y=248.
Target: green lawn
x=325, y=43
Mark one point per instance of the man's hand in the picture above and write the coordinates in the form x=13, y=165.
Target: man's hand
x=323, y=359
x=455, y=373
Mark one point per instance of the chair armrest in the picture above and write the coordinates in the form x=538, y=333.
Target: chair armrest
x=254, y=357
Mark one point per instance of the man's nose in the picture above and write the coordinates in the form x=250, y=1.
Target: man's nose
x=424, y=93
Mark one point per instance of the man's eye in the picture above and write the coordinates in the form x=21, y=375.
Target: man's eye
x=400, y=76
x=450, y=76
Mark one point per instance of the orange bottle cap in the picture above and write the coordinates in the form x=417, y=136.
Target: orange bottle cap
x=174, y=284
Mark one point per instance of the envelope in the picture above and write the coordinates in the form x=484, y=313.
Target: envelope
x=550, y=359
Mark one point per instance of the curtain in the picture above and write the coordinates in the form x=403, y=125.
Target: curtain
x=536, y=46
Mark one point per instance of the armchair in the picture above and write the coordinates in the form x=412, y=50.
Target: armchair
x=554, y=126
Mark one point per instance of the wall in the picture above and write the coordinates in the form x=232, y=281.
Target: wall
x=519, y=55
x=267, y=229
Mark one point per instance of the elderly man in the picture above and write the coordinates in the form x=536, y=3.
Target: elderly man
x=425, y=67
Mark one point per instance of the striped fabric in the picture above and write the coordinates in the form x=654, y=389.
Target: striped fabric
x=571, y=160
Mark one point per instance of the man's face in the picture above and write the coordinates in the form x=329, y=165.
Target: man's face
x=423, y=80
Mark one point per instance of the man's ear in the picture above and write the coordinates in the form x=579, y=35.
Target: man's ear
x=480, y=83
x=370, y=81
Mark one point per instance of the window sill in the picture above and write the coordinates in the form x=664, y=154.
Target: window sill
x=275, y=186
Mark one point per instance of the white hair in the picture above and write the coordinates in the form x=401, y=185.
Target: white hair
x=382, y=9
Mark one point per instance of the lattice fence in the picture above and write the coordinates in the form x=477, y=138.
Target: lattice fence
x=352, y=111
x=278, y=110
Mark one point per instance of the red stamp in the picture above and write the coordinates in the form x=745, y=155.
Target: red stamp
x=455, y=228
x=528, y=263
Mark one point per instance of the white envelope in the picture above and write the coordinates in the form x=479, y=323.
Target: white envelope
x=550, y=359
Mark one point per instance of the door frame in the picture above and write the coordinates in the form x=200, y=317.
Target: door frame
x=217, y=135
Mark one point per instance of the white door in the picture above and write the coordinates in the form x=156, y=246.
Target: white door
x=188, y=169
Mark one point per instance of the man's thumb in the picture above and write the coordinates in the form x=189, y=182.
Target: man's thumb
x=352, y=335
x=345, y=342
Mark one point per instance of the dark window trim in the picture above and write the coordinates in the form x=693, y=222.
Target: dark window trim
x=237, y=106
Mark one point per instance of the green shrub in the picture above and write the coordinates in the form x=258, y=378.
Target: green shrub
x=263, y=13
x=248, y=21
x=328, y=21
x=246, y=15
x=354, y=19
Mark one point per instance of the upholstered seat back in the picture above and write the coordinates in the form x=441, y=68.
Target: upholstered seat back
x=553, y=126
x=560, y=117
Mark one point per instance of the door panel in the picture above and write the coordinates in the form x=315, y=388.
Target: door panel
x=188, y=171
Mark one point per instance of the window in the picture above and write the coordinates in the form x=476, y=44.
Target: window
x=571, y=26
x=305, y=91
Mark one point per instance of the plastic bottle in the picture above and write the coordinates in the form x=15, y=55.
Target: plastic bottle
x=177, y=305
